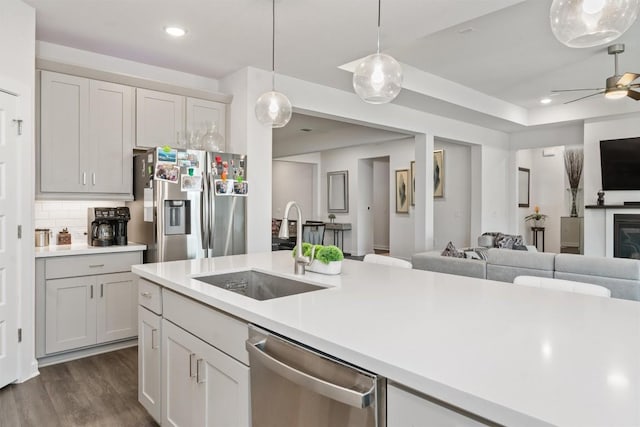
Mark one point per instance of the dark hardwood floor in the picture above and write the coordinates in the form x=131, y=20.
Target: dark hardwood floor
x=96, y=391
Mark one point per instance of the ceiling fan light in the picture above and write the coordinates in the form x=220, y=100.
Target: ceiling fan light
x=377, y=79
x=273, y=109
x=616, y=93
x=588, y=23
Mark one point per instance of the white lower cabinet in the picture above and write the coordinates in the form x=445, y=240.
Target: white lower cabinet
x=89, y=310
x=202, y=386
x=406, y=408
x=149, y=358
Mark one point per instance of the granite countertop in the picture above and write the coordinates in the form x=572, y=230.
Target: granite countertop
x=84, y=249
x=515, y=355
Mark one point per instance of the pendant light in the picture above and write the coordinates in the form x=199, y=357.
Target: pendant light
x=273, y=108
x=588, y=23
x=377, y=79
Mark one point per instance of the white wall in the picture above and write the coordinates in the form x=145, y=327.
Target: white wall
x=595, y=232
x=293, y=181
x=17, y=75
x=548, y=190
x=452, y=213
x=401, y=225
x=381, y=207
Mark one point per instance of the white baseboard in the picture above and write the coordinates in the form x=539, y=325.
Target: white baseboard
x=92, y=351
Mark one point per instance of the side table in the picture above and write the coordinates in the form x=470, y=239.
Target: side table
x=338, y=229
x=535, y=231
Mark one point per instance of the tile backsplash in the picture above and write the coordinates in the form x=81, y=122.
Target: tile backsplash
x=59, y=214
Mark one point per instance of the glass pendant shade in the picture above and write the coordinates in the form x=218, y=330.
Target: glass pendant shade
x=273, y=109
x=377, y=79
x=212, y=140
x=588, y=23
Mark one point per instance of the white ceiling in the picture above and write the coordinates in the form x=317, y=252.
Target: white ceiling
x=510, y=54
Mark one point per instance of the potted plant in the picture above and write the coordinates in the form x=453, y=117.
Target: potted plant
x=536, y=217
x=323, y=259
x=332, y=217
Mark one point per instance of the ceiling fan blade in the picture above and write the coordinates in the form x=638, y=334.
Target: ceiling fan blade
x=627, y=78
x=584, y=97
x=634, y=95
x=575, y=90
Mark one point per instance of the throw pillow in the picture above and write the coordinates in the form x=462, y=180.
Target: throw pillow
x=475, y=253
x=508, y=241
x=451, y=251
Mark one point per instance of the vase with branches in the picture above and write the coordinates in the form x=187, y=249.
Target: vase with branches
x=573, y=164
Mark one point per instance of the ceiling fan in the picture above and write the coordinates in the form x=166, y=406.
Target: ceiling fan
x=617, y=86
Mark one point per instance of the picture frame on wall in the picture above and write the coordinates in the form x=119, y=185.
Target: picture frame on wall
x=524, y=181
x=413, y=183
x=402, y=191
x=438, y=173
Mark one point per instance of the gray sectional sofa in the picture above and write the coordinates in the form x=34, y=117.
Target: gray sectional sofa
x=621, y=276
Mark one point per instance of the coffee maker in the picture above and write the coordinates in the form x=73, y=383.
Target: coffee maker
x=108, y=226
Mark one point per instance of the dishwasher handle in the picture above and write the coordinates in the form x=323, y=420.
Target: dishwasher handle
x=303, y=379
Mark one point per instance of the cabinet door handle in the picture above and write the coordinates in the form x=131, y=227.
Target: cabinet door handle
x=101, y=290
x=154, y=339
x=192, y=357
x=84, y=178
x=91, y=291
x=96, y=265
x=199, y=380
x=146, y=294
x=93, y=178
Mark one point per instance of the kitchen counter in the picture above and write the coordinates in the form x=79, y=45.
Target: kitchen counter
x=84, y=249
x=515, y=355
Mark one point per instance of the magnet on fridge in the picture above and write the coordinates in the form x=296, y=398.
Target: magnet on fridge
x=190, y=171
x=218, y=159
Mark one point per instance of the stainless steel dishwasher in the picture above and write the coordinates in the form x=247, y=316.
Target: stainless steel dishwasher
x=293, y=385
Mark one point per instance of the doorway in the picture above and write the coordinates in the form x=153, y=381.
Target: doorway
x=373, y=205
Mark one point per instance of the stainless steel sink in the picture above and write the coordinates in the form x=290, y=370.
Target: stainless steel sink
x=259, y=286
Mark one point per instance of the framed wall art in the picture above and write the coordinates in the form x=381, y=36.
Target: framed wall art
x=402, y=191
x=438, y=173
x=523, y=187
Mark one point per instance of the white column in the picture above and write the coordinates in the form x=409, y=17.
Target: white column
x=424, y=193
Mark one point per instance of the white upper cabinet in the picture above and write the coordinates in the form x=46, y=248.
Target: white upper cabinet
x=200, y=113
x=159, y=118
x=64, y=133
x=86, y=136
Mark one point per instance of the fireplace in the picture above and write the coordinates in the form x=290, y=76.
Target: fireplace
x=626, y=236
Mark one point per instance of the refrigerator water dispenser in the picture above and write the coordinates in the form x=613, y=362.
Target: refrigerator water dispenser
x=177, y=215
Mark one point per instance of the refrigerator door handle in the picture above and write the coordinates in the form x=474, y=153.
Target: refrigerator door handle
x=204, y=213
x=212, y=210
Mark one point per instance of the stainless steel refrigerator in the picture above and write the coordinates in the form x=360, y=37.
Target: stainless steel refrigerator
x=188, y=204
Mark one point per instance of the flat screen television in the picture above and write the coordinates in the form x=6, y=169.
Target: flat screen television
x=620, y=164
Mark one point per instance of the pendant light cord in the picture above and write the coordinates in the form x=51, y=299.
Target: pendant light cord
x=273, y=45
x=379, y=25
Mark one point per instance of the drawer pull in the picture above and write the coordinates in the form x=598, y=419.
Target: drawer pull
x=146, y=294
x=101, y=290
x=96, y=265
x=91, y=291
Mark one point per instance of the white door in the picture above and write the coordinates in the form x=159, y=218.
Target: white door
x=117, y=306
x=8, y=241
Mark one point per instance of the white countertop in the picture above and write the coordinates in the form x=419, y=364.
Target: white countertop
x=516, y=355
x=85, y=249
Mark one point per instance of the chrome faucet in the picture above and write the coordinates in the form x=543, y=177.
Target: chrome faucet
x=300, y=261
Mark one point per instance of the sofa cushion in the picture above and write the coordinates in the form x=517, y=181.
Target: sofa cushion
x=522, y=259
x=620, y=268
x=433, y=261
x=505, y=273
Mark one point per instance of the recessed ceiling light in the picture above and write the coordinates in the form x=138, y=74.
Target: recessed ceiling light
x=545, y=101
x=175, y=31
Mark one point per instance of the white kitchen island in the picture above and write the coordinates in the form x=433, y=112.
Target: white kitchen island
x=517, y=356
